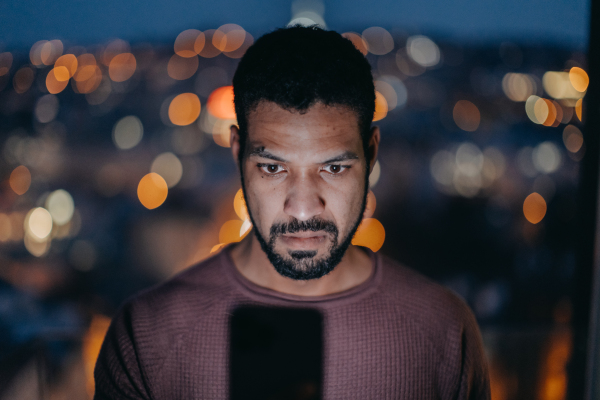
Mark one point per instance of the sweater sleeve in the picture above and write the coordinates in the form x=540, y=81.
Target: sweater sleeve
x=118, y=374
x=464, y=374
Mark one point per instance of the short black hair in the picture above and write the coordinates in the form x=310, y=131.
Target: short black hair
x=299, y=66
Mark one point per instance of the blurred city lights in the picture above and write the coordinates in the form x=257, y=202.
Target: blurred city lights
x=23, y=79
x=208, y=50
x=375, y=174
x=46, y=108
x=230, y=231
x=466, y=115
x=37, y=248
x=6, y=60
x=122, y=67
x=546, y=157
x=393, y=89
x=579, y=109
x=68, y=61
x=239, y=205
x=182, y=68
x=60, y=205
x=20, y=179
x=35, y=54
x=220, y=103
x=114, y=48
x=379, y=41
x=358, y=42
x=442, y=167
x=50, y=51
x=169, y=167
x=127, y=132
x=184, y=109
x=558, y=85
x=423, y=51
x=370, y=234
x=381, y=107
x=189, y=43
x=579, y=79
x=518, y=87
x=229, y=37
x=55, y=80
x=534, y=208
x=572, y=138
x=38, y=223
x=5, y=228
x=187, y=140
x=371, y=205
x=152, y=190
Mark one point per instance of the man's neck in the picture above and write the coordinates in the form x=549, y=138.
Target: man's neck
x=252, y=262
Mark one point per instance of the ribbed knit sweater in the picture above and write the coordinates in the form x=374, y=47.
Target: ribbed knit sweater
x=397, y=335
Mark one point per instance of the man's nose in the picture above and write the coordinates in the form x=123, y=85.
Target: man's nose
x=303, y=200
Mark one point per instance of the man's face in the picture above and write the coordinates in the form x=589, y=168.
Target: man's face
x=305, y=182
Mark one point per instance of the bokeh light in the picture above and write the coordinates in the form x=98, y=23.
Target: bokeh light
x=375, y=174
x=152, y=190
x=546, y=157
x=20, y=180
x=534, y=208
x=50, y=51
x=182, y=68
x=358, y=42
x=466, y=115
x=38, y=223
x=189, y=43
x=230, y=231
x=115, y=47
x=579, y=109
x=122, y=67
x=518, y=87
x=579, y=79
x=381, y=107
x=184, y=109
x=379, y=41
x=68, y=61
x=423, y=51
x=370, y=234
x=169, y=167
x=5, y=228
x=229, y=37
x=46, y=108
x=572, y=138
x=6, y=60
x=127, y=132
x=208, y=50
x=23, y=79
x=239, y=205
x=61, y=207
x=35, y=54
x=55, y=80
x=220, y=103
x=558, y=85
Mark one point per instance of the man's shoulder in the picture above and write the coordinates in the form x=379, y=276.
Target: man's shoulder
x=422, y=299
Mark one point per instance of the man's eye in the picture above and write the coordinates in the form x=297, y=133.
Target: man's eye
x=271, y=168
x=335, y=168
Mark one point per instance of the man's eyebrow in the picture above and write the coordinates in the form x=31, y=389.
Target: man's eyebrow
x=348, y=155
x=261, y=152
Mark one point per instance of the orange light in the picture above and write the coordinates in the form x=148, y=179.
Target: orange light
x=6, y=60
x=466, y=115
x=184, y=109
x=370, y=233
x=220, y=103
x=53, y=83
x=92, y=342
x=185, y=44
x=239, y=205
x=229, y=37
x=579, y=79
x=551, y=113
x=208, y=50
x=117, y=46
x=357, y=41
x=230, y=231
x=121, y=67
x=559, y=114
x=199, y=43
x=182, y=68
x=23, y=79
x=217, y=247
x=86, y=59
x=381, y=107
x=534, y=208
x=20, y=180
x=88, y=78
x=579, y=109
x=152, y=190
x=68, y=61
x=371, y=205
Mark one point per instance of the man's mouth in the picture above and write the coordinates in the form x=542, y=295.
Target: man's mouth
x=304, y=240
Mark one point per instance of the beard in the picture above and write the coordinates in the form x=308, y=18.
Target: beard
x=303, y=264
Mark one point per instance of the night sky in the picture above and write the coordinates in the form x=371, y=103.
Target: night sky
x=23, y=22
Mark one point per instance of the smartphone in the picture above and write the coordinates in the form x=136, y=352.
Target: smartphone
x=276, y=353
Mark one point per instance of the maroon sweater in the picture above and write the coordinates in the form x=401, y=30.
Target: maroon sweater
x=397, y=335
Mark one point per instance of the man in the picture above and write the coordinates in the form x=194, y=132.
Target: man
x=304, y=98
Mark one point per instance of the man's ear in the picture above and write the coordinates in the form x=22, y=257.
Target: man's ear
x=234, y=139
x=373, y=146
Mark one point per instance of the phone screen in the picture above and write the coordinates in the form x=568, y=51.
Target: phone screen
x=275, y=353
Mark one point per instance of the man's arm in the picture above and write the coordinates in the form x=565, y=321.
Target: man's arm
x=118, y=373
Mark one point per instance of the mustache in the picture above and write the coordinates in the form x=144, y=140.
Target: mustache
x=313, y=225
